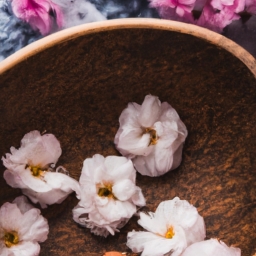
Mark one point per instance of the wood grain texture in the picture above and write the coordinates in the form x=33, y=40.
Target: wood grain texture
x=77, y=90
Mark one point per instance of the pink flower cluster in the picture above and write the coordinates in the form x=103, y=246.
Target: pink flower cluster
x=40, y=14
x=212, y=14
x=48, y=16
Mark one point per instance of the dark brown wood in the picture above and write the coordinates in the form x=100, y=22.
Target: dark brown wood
x=77, y=90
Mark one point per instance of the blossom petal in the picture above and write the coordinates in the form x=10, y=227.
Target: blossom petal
x=25, y=248
x=34, y=183
x=146, y=165
x=150, y=111
x=211, y=247
x=34, y=226
x=151, y=244
x=13, y=180
x=120, y=168
x=138, y=198
x=9, y=216
x=134, y=142
x=115, y=210
x=63, y=182
x=124, y=189
x=22, y=203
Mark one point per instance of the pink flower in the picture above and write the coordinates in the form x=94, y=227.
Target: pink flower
x=234, y=6
x=174, y=225
x=37, y=14
x=22, y=227
x=250, y=6
x=152, y=135
x=109, y=196
x=30, y=168
x=217, y=19
x=180, y=6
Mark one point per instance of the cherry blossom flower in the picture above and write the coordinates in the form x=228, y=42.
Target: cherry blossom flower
x=38, y=13
x=217, y=14
x=211, y=247
x=174, y=226
x=180, y=6
x=108, y=194
x=152, y=135
x=21, y=228
x=250, y=6
x=30, y=168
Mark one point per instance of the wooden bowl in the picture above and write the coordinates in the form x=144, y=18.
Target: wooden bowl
x=75, y=84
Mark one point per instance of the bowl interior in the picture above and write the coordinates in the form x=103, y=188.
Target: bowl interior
x=77, y=88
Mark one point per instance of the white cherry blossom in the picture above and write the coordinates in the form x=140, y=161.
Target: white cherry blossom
x=21, y=228
x=212, y=247
x=30, y=168
x=174, y=226
x=152, y=135
x=109, y=195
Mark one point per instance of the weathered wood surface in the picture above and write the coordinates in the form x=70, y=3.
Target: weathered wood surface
x=77, y=90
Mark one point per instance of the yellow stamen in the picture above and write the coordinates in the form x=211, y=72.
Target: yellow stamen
x=170, y=233
x=106, y=191
x=36, y=171
x=11, y=238
x=153, y=136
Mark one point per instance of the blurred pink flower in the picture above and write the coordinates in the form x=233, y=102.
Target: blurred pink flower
x=250, y=6
x=180, y=6
x=235, y=6
x=38, y=14
x=217, y=19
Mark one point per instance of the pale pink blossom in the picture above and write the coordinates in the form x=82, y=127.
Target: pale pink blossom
x=40, y=14
x=152, y=135
x=30, y=168
x=21, y=228
x=109, y=195
x=174, y=226
x=212, y=247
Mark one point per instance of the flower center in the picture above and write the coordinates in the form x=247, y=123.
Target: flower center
x=36, y=171
x=106, y=191
x=153, y=136
x=170, y=233
x=11, y=238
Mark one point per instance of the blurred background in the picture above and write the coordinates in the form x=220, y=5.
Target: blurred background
x=20, y=24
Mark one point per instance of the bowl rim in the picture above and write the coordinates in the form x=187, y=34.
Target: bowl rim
x=129, y=23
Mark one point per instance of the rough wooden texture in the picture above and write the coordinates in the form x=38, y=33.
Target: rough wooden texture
x=77, y=91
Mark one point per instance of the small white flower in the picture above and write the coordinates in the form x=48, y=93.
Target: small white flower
x=152, y=135
x=29, y=168
x=212, y=247
x=108, y=194
x=21, y=228
x=175, y=225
